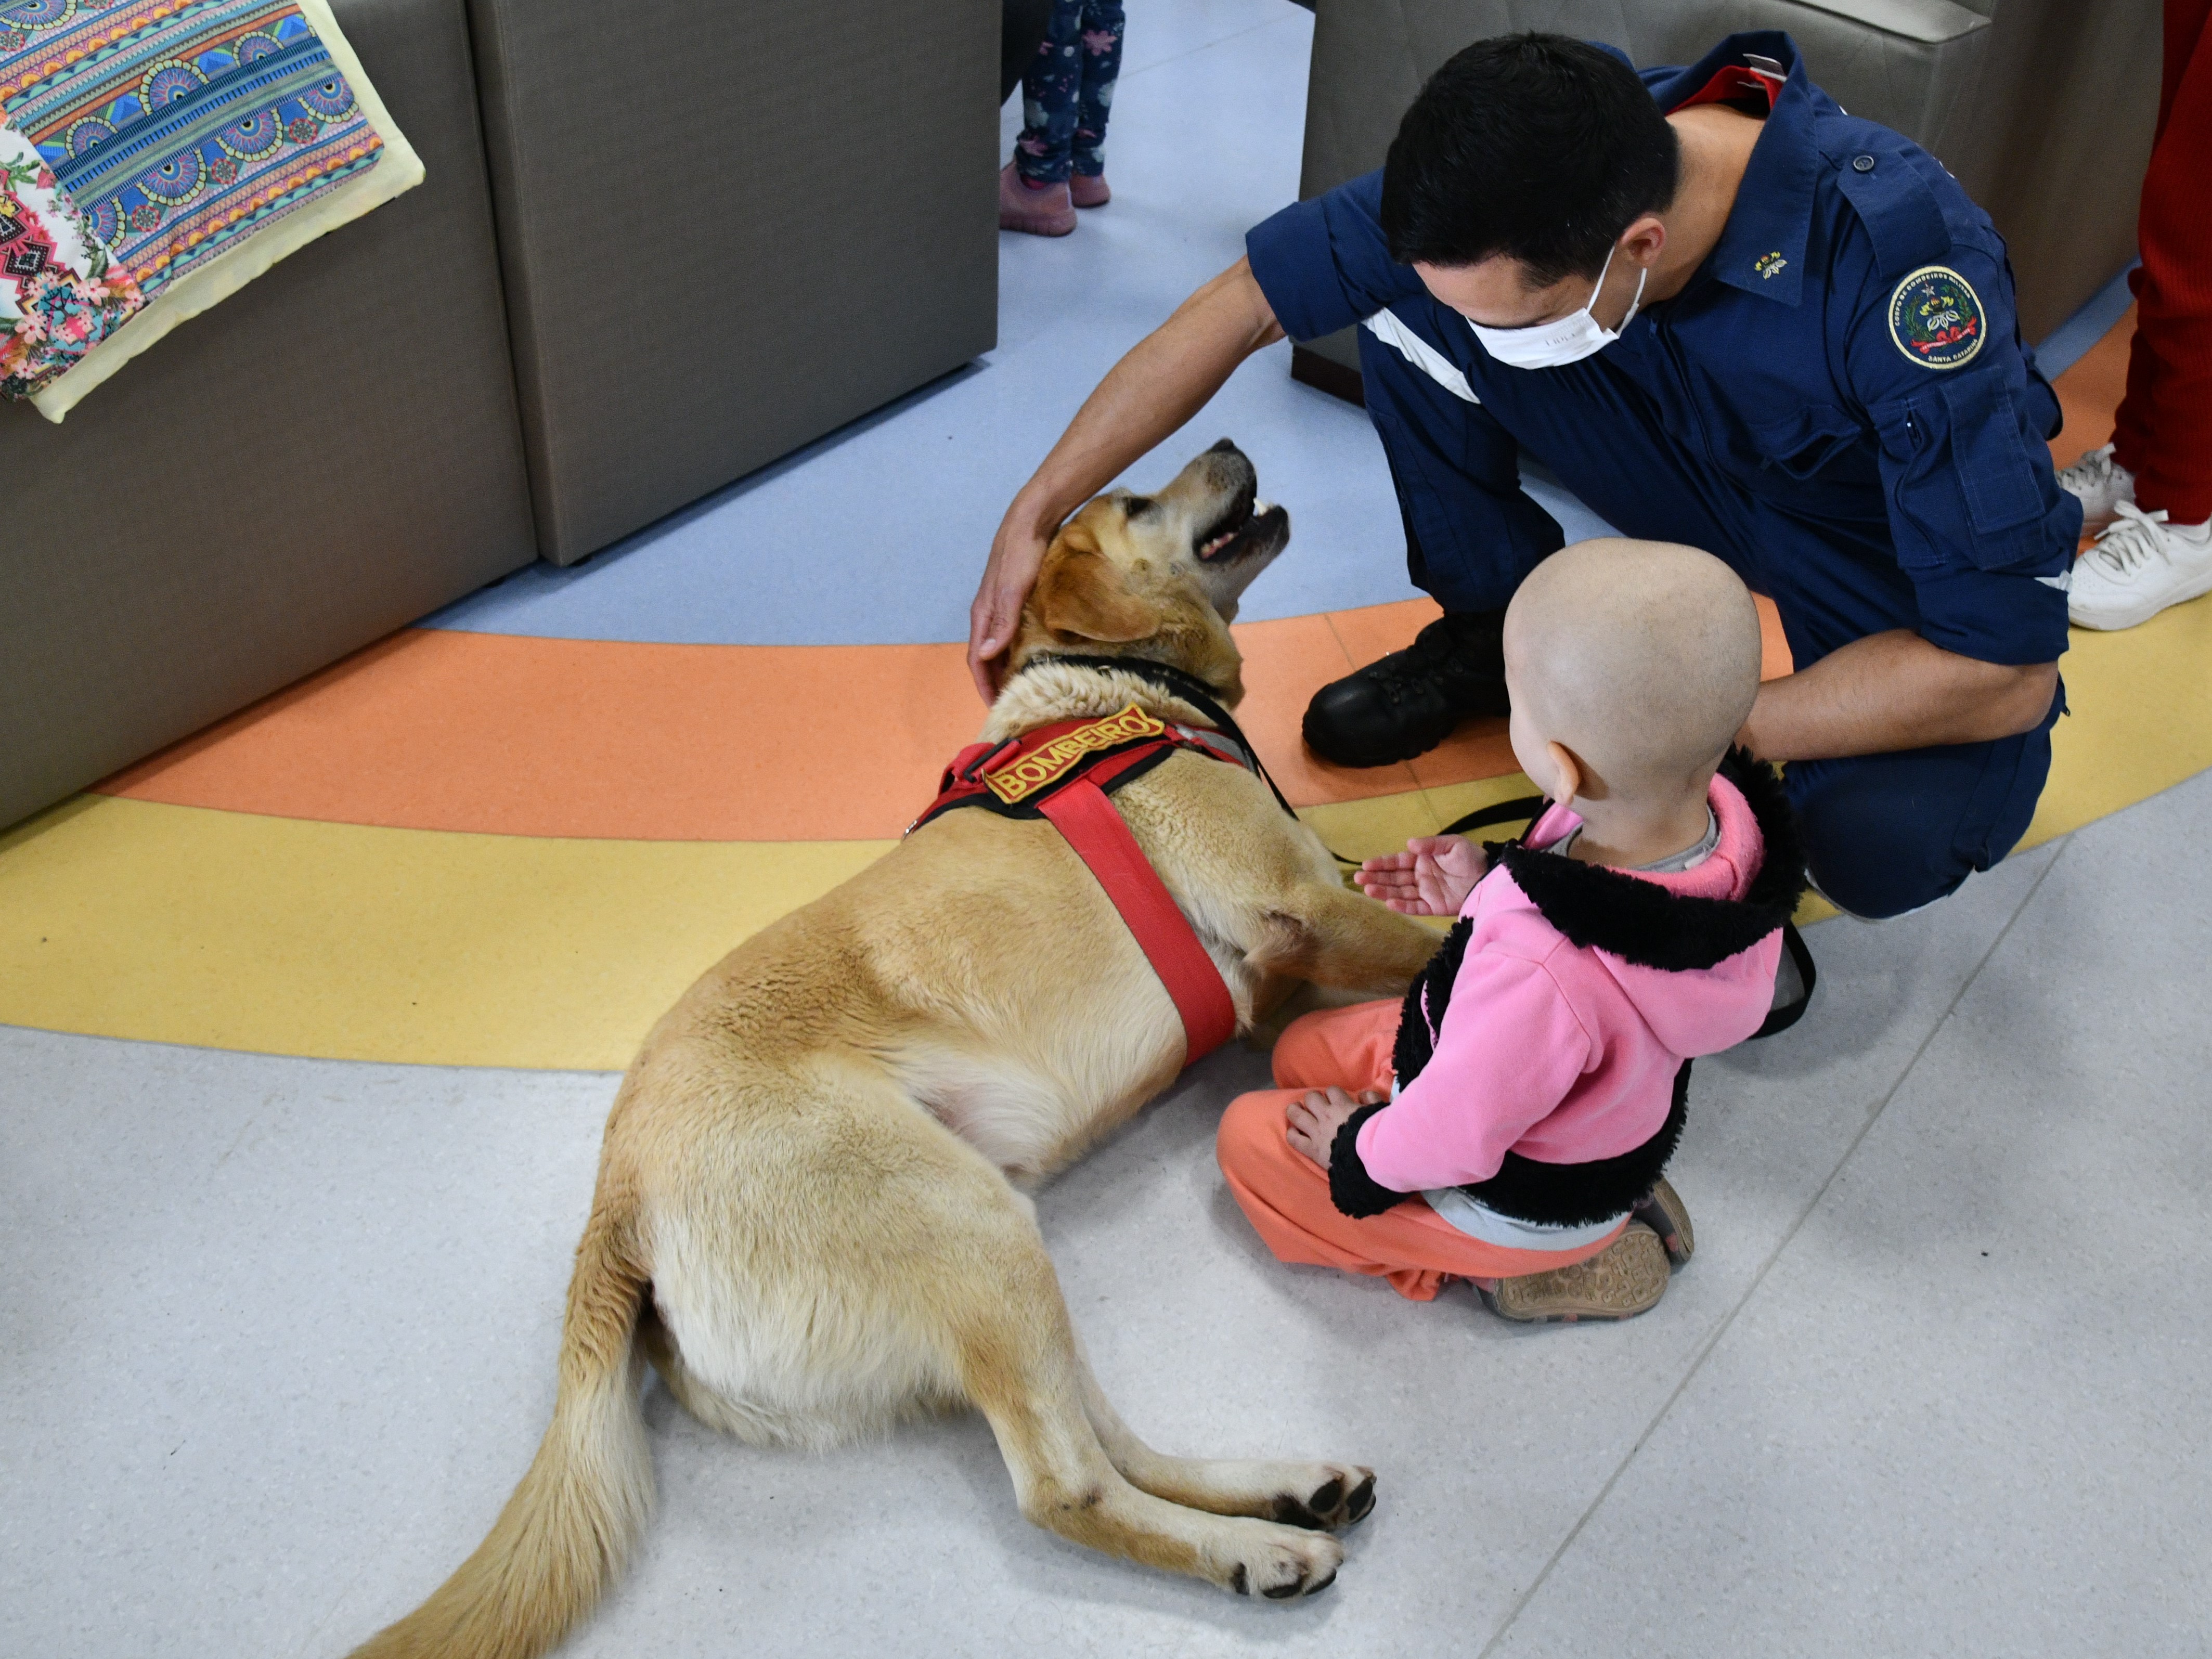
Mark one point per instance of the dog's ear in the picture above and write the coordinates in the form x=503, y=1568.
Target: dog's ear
x=1080, y=595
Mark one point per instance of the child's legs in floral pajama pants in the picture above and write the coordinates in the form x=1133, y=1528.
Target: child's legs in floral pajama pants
x=1068, y=93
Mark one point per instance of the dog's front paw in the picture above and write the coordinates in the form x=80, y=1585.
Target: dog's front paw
x=1343, y=1500
x=1278, y=1563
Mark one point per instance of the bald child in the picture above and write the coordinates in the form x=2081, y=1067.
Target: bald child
x=1510, y=1123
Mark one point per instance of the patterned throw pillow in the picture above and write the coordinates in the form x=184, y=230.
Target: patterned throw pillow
x=199, y=142
x=60, y=295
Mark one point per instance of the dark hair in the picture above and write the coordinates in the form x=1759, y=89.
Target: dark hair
x=1535, y=146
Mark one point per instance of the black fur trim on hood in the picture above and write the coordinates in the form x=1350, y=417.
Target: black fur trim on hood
x=1643, y=922
x=1526, y=1188
x=1350, y=1188
x=1424, y=1003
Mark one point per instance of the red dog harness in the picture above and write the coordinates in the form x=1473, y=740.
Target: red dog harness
x=1064, y=772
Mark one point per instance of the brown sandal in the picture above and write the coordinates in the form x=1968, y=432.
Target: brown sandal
x=1664, y=1212
x=1624, y=1279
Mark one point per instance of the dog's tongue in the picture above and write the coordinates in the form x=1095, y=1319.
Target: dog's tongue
x=1254, y=511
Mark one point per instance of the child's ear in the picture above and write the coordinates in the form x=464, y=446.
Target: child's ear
x=1080, y=595
x=1566, y=773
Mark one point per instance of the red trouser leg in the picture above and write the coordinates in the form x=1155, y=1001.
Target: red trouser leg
x=1285, y=1194
x=2164, y=431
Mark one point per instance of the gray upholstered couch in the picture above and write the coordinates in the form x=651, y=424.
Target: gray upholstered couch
x=2042, y=108
x=640, y=299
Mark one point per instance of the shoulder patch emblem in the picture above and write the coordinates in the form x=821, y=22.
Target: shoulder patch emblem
x=1936, y=319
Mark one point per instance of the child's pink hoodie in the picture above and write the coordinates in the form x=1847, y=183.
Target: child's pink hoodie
x=1579, y=994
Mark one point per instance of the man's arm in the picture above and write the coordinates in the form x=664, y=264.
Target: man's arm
x=1166, y=377
x=1891, y=691
x=1980, y=526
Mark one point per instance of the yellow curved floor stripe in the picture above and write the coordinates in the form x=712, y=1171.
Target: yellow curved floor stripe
x=2141, y=718
x=228, y=930
x=175, y=924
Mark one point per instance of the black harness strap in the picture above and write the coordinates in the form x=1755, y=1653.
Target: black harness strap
x=1176, y=683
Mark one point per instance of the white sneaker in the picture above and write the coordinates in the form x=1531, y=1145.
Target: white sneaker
x=2102, y=483
x=2139, y=566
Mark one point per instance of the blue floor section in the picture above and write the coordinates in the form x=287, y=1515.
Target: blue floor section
x=876, y=534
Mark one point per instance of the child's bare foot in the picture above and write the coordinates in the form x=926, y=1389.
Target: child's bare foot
x=1311, y=1121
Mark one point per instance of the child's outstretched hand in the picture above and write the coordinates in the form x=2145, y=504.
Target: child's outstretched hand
x=1431, y=877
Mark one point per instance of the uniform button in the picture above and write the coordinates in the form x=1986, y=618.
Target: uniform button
x=1862, y=164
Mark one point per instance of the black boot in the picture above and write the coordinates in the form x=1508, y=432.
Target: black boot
x=1406, y=703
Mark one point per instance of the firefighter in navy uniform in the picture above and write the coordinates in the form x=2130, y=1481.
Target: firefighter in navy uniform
x=1722, y=312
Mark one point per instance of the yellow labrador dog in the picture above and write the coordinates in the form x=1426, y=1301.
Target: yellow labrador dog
x=806, y=1214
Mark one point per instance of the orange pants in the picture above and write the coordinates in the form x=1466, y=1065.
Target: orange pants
x=1286, y=1193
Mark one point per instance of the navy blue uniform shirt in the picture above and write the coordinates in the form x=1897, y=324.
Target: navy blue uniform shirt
x=1846, y=365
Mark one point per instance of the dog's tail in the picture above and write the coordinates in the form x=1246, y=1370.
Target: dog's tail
x=565, y=1534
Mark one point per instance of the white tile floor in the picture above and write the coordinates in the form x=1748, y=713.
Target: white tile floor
x=279, y=1334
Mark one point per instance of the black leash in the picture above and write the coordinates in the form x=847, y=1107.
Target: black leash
x=1200, y=695
x=1782, y=1018
x=1521, y=809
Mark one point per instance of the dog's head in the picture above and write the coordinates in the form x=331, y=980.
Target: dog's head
x=1158, y=576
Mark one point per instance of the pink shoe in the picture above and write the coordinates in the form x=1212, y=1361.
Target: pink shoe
x=1038, y=212
x=1088, y=191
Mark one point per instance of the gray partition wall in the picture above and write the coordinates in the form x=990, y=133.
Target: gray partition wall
x=727, y=229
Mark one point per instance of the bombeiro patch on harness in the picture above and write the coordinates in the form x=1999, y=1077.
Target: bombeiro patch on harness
x=1040, y=768
x=1936, y=319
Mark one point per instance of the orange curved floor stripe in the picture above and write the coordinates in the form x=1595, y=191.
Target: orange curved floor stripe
x=508, y=734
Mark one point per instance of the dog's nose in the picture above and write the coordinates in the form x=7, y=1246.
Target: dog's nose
x=1226, y=446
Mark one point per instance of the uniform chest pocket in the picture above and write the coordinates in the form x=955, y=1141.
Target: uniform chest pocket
x=1804, y=440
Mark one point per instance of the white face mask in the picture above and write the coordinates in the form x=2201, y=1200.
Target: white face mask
x=1569, y=340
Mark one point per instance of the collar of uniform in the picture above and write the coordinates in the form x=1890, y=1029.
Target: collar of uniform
x=1762, y=247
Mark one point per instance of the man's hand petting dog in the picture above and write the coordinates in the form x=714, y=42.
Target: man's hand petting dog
x=1431, y=877
x=1017, y=552
x=1312, y=1122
